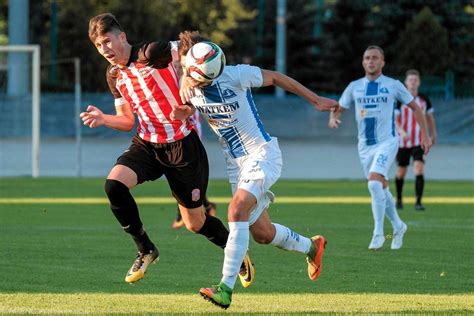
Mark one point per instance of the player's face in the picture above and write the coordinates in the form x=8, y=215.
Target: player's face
x=373, y=61
x=412, y=82
x=112, y=46
x=191, y=81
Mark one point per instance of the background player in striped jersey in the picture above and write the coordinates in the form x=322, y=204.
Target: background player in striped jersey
x=374, y=97
x=410, y=139
x=253, y=162
x=146, y=85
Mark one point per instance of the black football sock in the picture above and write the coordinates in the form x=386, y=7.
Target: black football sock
x=419, y=186
x=399, y=185
x=143, y=242
x=125, y=210
x=214, y=231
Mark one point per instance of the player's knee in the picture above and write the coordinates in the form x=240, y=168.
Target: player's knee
x=193, y=226
x=114, y=189
x=375, y=187
x=263, y=238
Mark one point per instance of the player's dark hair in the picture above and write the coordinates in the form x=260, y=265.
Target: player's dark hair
x=101, y=24
x=412, y=72
x=187, y=39
x=377, y=48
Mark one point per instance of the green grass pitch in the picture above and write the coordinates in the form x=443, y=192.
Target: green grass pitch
x=69, y=258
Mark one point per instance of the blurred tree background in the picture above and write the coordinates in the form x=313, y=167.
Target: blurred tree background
x=325, y=38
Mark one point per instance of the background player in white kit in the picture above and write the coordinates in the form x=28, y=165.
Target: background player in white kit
x=375, y=97
x=253, y=163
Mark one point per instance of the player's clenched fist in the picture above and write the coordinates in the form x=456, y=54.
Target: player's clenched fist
x=93, y=117
x=325, y=104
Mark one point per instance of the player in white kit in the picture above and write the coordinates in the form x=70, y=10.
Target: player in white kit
x=254, y=164
x=375, y=97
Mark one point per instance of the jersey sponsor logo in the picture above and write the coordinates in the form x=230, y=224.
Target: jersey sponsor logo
x=195, y=195
x=371, y=100
x=227, y=93
x=220, y=108
x=383, y=90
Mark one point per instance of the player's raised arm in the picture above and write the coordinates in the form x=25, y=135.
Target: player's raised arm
x=291, y=85
x=123, y=120
x=420, y=118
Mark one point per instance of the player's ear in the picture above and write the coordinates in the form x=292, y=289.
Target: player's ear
x=383, y=63
x=123, y=37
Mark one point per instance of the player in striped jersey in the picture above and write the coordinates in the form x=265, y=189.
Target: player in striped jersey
x=375, y=97
x=410, y=139
x=146, y=85
x=254, y=164
x=209, y=206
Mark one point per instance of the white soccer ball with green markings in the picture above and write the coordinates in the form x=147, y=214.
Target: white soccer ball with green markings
x=205, y=61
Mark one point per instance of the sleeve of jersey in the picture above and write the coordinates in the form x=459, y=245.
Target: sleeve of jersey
x=155, y=54
x=403, y=95
x=346, y=99
x=429, y=106
x=249, y=76
x=111, y=76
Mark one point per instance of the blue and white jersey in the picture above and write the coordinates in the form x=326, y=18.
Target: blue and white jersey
x=228, y=106
x=375, y=103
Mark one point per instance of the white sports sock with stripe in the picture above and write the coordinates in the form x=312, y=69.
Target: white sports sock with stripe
x=378, y=205
x=234, y=252
x=287, y=239
x=391, y=210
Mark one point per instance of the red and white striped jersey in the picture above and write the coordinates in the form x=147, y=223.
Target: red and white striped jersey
x=196, y=121
x=408, y=121
x=152, y=94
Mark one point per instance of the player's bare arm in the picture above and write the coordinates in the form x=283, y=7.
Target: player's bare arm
x=398, y=127
x=123, y=120
x=291, y=85
x=182, y=112
x=420, y=118
x=432, y=127
x=334, y=117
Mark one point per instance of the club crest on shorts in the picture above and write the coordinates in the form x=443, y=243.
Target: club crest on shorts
x=195, y=195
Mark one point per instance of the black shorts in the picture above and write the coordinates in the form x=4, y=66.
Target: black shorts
x=404, y=155
x=184, y=164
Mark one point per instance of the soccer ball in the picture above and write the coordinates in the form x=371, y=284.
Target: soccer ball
x=205, y=61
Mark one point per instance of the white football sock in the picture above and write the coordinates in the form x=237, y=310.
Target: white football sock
x=234, y=252
x=287, y=239
x=378, y=205
x=391, y=210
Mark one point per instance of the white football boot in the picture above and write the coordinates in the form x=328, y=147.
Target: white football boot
x=397, y=240
x=376, y=242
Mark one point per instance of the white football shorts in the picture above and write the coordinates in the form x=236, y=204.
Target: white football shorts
x=256, y=173
x=378, y=158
